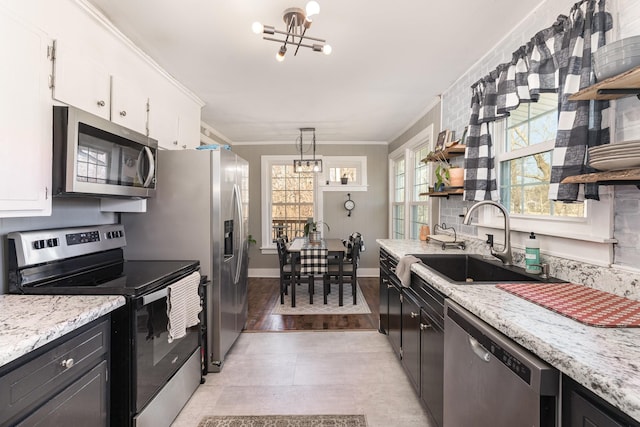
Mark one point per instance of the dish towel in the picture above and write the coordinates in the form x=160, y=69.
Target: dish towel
x=183, y=305
x=403, y=270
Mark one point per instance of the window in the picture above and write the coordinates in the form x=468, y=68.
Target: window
x=354, y=168
x=397, y=206
x=420, y=184
x=288, y=199
x=525, y=161
x=409, y=179
x=524, y=150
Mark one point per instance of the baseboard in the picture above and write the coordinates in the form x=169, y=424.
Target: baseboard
x=275, y=273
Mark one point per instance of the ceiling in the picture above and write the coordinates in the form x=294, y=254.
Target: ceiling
x=390, y=60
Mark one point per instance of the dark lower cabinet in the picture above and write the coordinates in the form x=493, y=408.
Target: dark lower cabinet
x=582, y=408
x=394, y=329
x=84, y=403
x=64, y=383
x=411, y=338
x=432, y=365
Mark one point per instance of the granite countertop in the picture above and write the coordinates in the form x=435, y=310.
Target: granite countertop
x=604, y=360
x=31, y=321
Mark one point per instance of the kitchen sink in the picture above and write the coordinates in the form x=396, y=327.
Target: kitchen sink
x=475, y=269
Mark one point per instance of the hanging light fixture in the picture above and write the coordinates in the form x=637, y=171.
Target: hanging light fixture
x=307, y=165
x=297, y=22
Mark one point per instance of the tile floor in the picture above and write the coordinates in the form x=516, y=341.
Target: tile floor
x=324, y=372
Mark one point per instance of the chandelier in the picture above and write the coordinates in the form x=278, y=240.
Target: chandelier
x=298, y=22
x=307, y=165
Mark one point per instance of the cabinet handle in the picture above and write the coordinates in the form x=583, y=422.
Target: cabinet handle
x=175, y=142
x=184, y=146
x=123, y=113
x=100, y=103
x=67, y=363
x=414, y=315
x=389, y=286
x=423, y=326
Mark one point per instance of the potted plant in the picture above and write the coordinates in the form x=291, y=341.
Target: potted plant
x=344, y=179
x=312, y=232
x=456, y=176
x=442, y=176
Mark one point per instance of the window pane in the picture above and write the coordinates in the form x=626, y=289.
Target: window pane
x=399, y=180
x=419, y=217
x=525, y=180
x=420, y=173
x=398, y=222
x=292, y=199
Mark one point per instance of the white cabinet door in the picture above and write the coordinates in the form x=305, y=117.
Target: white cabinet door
x=128, y=105
x=25, y=120
x=189, y=130
x=163, y=123
x=81, y=81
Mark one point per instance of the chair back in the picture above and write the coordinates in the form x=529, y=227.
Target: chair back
x=313, y=260
x=282, y=251
x=355, y=251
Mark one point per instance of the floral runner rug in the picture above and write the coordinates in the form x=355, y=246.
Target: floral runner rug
x=284, y=421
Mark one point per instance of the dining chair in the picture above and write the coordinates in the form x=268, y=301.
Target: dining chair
x=349, y=268
x=313, y=262
x=287, y=276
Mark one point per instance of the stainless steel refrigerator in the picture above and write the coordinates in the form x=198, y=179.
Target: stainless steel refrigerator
x=200, y=211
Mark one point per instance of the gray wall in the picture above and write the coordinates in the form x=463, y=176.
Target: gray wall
x=433, y=116
x=370, y=217
x=64, y=213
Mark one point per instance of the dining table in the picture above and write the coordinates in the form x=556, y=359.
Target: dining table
x=335, y=250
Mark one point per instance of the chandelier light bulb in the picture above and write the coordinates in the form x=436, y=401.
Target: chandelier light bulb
x=280, y=54
x=327, y=49
x=316, y=168
x=257, y=27
x=312, y=8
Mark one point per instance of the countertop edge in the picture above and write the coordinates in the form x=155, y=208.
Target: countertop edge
x=25, y=326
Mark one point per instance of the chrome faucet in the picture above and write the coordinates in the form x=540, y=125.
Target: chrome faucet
x=505, y=254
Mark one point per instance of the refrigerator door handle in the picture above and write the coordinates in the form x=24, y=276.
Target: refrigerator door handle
x=238, y=198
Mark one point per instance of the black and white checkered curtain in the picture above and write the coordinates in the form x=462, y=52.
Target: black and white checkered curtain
x=556, y=59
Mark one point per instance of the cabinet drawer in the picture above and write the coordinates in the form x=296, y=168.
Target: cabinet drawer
x=40, y=377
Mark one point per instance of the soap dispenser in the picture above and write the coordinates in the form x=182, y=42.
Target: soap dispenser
x=532, y=255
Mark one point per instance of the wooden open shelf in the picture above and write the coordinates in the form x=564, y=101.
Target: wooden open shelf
x=625, y=84
x=447, y=153
x=627, y=176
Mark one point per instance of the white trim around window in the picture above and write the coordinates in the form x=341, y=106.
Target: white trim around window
x=266, y=162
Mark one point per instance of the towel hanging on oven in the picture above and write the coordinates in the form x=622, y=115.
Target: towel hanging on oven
x=183, y=305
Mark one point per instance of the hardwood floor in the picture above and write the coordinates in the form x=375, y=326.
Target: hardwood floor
x=263, y=294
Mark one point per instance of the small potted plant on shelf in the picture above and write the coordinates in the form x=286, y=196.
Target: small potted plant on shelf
x=442, y=177
x=344, y=179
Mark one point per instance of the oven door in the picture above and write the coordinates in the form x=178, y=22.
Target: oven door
x=156, y=358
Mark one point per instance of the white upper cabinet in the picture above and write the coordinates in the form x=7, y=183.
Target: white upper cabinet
x=81, y=81
x=25, y=120
x=129, y=105
x=85, y=83
x=174, y=122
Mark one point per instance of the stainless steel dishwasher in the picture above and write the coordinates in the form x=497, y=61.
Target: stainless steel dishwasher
x=490, y=381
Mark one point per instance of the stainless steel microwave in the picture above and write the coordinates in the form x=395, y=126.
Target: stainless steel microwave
x=96, y=157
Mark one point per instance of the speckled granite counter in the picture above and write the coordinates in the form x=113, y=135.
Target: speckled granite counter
x=31, y=321
x=604, y=360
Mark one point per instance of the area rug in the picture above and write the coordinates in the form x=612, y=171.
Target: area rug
x=284, y=421
x=318, y=306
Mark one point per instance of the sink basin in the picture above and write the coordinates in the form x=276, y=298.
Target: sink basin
x=474, y=269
